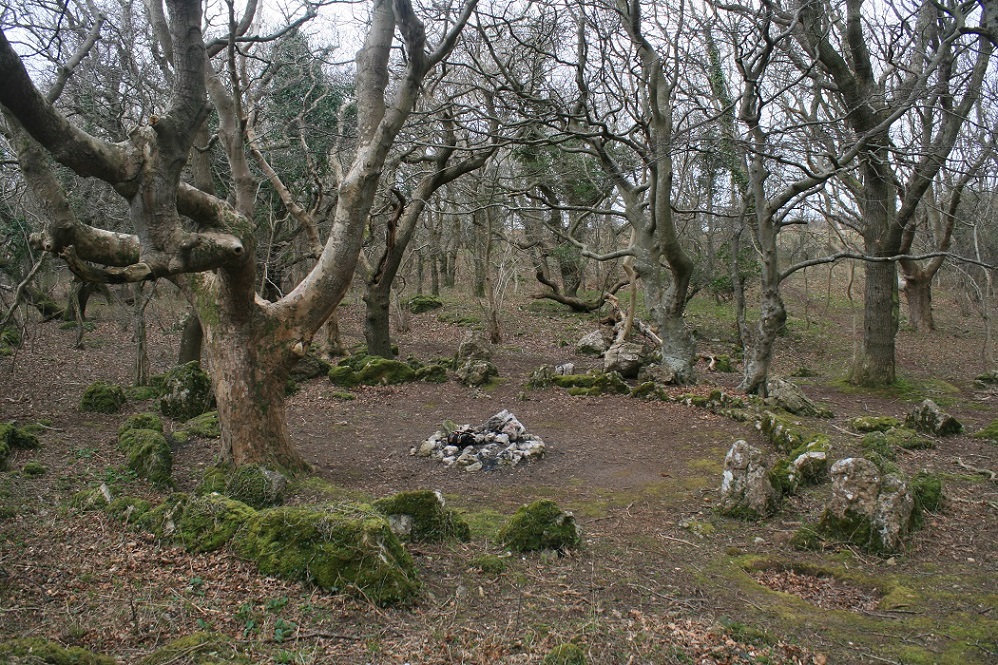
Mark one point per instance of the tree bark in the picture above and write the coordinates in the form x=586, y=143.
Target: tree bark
x=191, y=339
x=918, y=294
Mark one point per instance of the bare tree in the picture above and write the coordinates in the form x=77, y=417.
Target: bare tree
x=250, y=343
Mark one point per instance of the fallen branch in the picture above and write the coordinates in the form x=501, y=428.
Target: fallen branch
x=986, y=472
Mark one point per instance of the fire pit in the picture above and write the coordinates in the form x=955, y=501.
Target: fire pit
x=501, y=441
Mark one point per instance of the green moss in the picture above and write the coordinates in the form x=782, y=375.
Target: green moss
x=91, y=499
x=990, y=432
x=489, y=564
x=4, y=454
x=199, y=649
x=205, y=425
x=141, y=421
x=565, y=654
x=143, y=393
x=187, y=392
x=541, y=525
x=255, y=486
x=876, y=442
x=209, y=522
x=128, y=509
x=596, y=383
x=345, y=396
x=149, y=455
x=102, y=397
x=864, y=424
x=927, y=491
x=347, y=547
x=343, y=376
x=649, y=390
x=432, y=374
x=34, y=468
x=784, y=432
x=484, y=524
x=37, y=650
x=213, y=480
x=23, y=438
x=161, y=519
x=422, y=303
x=806, y=538
x=422, y=516
x=853, y=528
x=382, y=371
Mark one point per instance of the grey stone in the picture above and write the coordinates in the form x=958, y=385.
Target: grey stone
x=746, y=488
x=791, y=398
x=474, y=346
x=592, y=344
x=855, y=486
x=928, y=417
x=476, y=372
x=625, y=358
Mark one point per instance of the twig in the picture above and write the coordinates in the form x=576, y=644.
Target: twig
x=316, y=635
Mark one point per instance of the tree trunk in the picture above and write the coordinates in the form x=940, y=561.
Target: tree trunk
x=332, y=344
x=249, y=367
x=140, y=375
x=918, y=294
x=190, y=340
x=377, y=330
x=875, y=365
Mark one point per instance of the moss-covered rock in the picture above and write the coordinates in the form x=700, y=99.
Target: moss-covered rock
x=38, y=651
x=144, y=393
x=187, y=392
x=343, y=376
x=141, y=421
x=4, y=454
x=309, y=366
x=784, y=432
x=476, y=372
x=422, y=515
x=23, y=438
x=806, y=538
x=432, y=373
x=593, y=384
x=382, y=371
x=203, y=648
x=102, y=397
x=928, y=417
x=989, y=433
x=96, y=498
x=213, y=480
x=161, y=520
x=927, y=490
x=208, y=522
x=206, y=426
x=865, y=424
x=256, y=486
x=422, y=303
x=807, y=465
x=149, y=454
x=349, y=547
x=34, y=468
x=566, y=654
x=128, y=509
x=489, y=564
x=541, y=525
x=878, y=443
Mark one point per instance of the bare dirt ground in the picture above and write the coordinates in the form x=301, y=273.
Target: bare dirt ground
x=661, y=578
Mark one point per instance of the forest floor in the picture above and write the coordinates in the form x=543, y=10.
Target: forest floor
x=660, y=579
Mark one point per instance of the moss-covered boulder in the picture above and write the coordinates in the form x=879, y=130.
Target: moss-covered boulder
x=102, y=397
x=95, y=498
x=344, y=376
x=422, y=303
x=783, y=431
x=747, y=487
x=476, y=372
x=141, y=421
x=202, y=648
x=989, y=433
x=308, y=367
x=807, y=465
x=205, y=426
x=929, y=418
x=254, y=485
x=382, y=371
x=34, y=468
x=349, y=547
x=128, y=509
x=161, y=520
x=149, y=455
x=434, y=373
x=38, y=651
x=592, y=384
x=789, y=397
x=187, y=392
x=422, y=515
x=541, y=525
x=207, y=523
x=23, y=438
x=865, y=424
x=927, y=490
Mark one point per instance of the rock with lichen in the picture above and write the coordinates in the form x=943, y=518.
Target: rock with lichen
x=747, y=489
x=789, y=397
x=929, y=418
x=187, y=392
